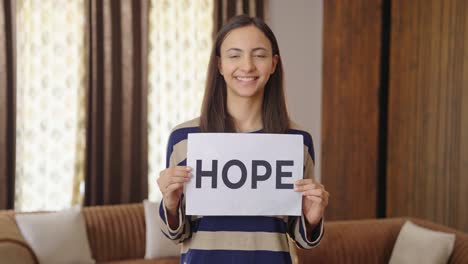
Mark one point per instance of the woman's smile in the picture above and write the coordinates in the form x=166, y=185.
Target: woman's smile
x=246, y=79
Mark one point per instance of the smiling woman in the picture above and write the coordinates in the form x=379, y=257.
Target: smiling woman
x=244, y=93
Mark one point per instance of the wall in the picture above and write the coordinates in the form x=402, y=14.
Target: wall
x=298, y=27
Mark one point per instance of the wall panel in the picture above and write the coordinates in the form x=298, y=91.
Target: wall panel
x=350, y=110
x=427, y=166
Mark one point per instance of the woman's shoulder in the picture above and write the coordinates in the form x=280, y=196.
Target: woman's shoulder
x=190, y=126
x=296, y=128
x=193, y=123
x=180, y=132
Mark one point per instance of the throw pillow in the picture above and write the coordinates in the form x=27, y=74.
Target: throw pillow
x=416, y=244
x=58, y=237
x=157, y=244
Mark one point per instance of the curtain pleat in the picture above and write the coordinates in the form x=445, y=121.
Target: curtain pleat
x=259, y=9
x=226, y=9
x=117, y=165
x=7, y=103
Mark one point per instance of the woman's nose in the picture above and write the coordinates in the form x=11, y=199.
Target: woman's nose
x=247, y=64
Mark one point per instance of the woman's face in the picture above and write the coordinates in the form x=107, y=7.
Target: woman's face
x=246, y=62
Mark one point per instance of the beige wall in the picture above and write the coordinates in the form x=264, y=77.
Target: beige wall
x=297, y=25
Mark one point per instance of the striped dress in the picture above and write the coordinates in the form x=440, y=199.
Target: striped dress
x=236, y=239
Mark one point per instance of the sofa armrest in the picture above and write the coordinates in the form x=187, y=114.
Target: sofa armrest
x=13, y=247
x=357, y=241
x=14, y=253
x=116, y=232
x=460, y=249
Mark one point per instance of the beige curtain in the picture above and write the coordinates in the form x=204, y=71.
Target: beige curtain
x=50, y=103
x=7, y=103
x=180, y=37
x=117, y=165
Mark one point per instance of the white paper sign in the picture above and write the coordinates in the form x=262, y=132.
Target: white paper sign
x=254, y=174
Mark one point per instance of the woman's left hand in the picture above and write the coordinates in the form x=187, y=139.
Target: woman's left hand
x=314, y=199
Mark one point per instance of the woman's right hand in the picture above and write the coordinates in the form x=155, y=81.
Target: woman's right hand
x=171, y=183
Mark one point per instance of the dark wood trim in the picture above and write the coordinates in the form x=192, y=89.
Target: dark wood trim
x=8, y=106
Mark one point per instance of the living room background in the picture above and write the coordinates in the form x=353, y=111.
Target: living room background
x=95, y=100
x=392, y=134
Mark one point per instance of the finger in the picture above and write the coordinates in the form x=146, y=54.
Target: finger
x=316, y=199
x=310, y=186
x=162, y=183
x=173, y=187
x=184, y=168
x=175, y=172
x=180, y=173
x=304, y=182
x=164, y=180
x=320, y=200
x=175, y=169
x=314, y=192
x=178, y=180
x=317, y=192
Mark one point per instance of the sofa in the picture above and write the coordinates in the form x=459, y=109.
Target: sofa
x=116, y=234
x=372, y=241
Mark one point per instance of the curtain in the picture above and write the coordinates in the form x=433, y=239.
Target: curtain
x=117, y=165
x=225, y=9
x=7, y=104
x=180, y=37
x=50, y=103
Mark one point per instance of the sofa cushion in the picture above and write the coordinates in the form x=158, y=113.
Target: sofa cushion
x=171, y=260
x=157, y=244
x=58, y=237
x=417, y=244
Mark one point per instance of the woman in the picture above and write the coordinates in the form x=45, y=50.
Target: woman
x=244, y=93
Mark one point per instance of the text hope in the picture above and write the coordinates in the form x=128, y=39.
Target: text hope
x=256, y=177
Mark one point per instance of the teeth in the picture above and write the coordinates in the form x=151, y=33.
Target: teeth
x=245, y=79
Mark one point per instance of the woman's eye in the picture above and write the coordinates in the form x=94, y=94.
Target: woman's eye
x=260, y=56
x=233, y=56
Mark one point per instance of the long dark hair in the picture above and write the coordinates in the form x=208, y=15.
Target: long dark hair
x=214, y=115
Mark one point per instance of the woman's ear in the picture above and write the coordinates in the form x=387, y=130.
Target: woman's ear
x=274, y=63
x=220, y=68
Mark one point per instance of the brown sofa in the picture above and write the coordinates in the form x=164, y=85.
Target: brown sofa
x=371, y=241
x=117, y=235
